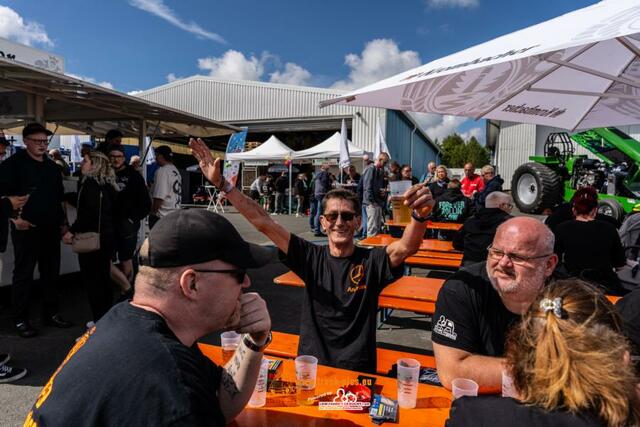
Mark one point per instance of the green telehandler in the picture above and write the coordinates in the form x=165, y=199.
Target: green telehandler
x=548, y=180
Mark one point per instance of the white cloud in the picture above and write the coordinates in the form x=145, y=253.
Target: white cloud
x=161, y=10
x=13, y=27
x=293, y=74
x=439, y=4
x=134, y=92
x=380, y=58
x=104, y=84
x=438, y=126
x=476, y=132
x=234, y=65
x=171, y=77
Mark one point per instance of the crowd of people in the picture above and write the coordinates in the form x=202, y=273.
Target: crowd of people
x=510, y=311
x=111, y=200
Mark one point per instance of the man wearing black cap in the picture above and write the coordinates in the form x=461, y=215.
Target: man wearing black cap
x=113, y=136
x=167, y=186
x=342, y=281
x=139, y=365
x=36, y=230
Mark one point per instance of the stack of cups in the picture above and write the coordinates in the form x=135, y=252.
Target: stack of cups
x=259, y=396
x=408, y=372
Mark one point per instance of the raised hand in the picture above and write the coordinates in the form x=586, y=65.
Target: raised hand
x=18, y=202
x=419, y=198
x=211, y=168
x=254, y=317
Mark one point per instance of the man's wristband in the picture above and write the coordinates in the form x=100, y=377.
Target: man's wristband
x=253, y=346
x=418, y=218
x=225, y=186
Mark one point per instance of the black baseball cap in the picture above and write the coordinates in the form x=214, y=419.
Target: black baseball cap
x=165, y=150
x=194, y=236
x=34, y=127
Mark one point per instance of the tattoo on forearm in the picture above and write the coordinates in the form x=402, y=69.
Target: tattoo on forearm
x=229, y=384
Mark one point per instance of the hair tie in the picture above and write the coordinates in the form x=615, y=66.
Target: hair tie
x=555, y=306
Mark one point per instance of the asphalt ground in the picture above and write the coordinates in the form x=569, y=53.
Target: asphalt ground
x=42, y=354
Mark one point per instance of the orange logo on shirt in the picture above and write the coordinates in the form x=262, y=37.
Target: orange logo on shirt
x=356, y=275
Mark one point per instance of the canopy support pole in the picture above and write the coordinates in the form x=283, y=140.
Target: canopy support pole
x=596, y=73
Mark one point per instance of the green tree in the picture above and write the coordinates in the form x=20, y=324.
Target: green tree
x=456, y=152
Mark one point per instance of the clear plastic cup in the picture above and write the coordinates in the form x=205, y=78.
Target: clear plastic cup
x=463, y=387
x=408, y=373
x=508, y=389
x=229, y=341
x=398, y=188
x=259, y=396
x=306, y=370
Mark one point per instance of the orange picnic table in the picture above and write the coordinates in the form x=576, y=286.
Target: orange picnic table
x=281, y=409
x=427, y=244
x=430, y=224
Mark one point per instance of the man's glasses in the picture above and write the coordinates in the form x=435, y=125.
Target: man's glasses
x=238, y=273
x=116, y=156
x=498, y=254
x=39, y=141
x=333, y=216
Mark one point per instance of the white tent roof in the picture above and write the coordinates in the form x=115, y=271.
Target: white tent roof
x=271, y=149
x=328, y=149
x=577, y=71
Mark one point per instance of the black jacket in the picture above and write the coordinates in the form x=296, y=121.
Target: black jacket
x=133, y=200
x=438, y=188
x=477, y=233
x=90, y=214
x=282, y=183
x=452, y=206
x=494, y=184
x=6, y=210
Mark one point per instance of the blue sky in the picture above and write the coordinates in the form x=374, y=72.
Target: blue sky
x=133, y=45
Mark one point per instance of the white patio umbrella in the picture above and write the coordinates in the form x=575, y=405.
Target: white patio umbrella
x=577, y=71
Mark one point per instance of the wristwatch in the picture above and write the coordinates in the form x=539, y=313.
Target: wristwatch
x=251, y=345
x=418, y=218
x=225, y=186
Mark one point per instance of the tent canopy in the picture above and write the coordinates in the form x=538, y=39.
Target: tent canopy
x=328, y=149
x=577, y=71
x=272, y=149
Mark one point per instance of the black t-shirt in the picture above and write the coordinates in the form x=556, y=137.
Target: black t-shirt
x=338, y=324
x=495, y=411
x=133, y=201
x=21, y=175
x=131, y=371
x=470, y=315
x=591, y=247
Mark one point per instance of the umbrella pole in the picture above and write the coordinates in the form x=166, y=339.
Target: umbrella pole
x=290, y=170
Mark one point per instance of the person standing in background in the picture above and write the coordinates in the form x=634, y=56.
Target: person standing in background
x=167, y=186
x=407, y=176
x=373, y=194
x=113, y=136
x=471, y=183
x=430, y=174
x=322, y=187
x=300, y=188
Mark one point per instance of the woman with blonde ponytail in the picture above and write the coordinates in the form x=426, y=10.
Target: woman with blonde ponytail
x=96, y=198
x=570, y=366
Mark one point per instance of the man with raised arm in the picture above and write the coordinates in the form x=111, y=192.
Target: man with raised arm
x=343, y=281
x=478, y=305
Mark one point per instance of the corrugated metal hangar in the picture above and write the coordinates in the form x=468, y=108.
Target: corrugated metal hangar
x=291, y=113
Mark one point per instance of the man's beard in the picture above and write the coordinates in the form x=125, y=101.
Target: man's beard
x=510, y=287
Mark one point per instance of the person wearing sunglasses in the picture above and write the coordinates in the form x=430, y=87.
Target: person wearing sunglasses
x=338, y=323
x=479, y=304
x=140, y=365
x=36, y=229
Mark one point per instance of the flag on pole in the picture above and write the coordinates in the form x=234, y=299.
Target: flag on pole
x=381, y=143
x=344, y=148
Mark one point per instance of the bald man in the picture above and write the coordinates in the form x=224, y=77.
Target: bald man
x=478, y=305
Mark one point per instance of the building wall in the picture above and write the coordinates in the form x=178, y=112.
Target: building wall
x=238, y=101
x=516, y=142
x=399, y=136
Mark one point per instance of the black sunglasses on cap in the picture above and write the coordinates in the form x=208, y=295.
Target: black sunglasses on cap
x=333, y=216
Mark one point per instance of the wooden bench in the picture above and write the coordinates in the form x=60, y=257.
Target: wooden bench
x=286, y=346
x=426, y=245
x=430, y=262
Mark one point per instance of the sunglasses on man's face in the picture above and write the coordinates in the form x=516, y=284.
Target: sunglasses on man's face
x=238, y=273
x=333, y=216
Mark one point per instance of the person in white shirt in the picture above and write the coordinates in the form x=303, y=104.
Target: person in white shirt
x=167, y=186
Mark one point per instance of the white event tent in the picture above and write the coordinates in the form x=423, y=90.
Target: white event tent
x=272, y=149
x=328, y=149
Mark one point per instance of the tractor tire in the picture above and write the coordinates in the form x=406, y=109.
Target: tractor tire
x=612, y=208
x=535, y=187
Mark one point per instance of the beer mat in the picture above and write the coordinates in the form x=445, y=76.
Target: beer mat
x=282, y=387
x=427, y=375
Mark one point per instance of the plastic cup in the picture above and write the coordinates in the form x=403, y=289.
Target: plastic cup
x=229, y=341
x=259, y=396
x=398, y=188
x=400, y=212
x=408, y=373
x=463, y=387
x=508, y=389
x=306, y=369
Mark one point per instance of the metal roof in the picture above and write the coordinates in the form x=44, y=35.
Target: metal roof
x=87, y=107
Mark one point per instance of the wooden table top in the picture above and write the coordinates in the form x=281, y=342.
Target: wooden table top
x=281, y=409
x=430, y=224
x=415, y=288
x=427, y=244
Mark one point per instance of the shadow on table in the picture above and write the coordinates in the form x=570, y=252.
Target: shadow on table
x=266, y=417
x=437, y=402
